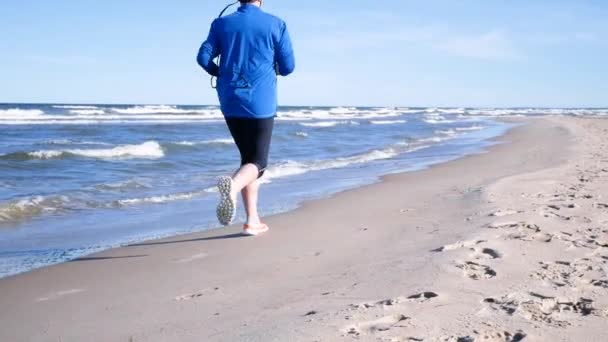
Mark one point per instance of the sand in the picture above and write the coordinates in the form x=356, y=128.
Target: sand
x=508, y=245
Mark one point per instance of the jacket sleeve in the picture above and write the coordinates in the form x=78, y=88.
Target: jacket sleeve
x=284, y=56
x=209, y=50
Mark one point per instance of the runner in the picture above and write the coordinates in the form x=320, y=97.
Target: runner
x=254, y=47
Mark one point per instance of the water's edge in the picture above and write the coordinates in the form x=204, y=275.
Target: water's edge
x=484, y=146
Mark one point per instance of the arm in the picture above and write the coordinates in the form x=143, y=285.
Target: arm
x=208, y=51
x=284, y=56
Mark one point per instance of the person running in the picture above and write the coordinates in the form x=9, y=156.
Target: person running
x=254, y=47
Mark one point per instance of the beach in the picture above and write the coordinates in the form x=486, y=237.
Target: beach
x=506, y=245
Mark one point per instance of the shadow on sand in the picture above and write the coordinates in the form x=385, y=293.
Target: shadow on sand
x=108, y=258
x=220, y=237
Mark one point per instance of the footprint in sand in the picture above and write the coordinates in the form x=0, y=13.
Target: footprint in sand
x=456, y=339
x=552, y=311
x=559, y=207
x=377, y=326
x=590, y=238
x=485, y=253
x=551, y=214
x=522, y=231
x=492, y=335
x=458, y=245
x=423, y=296
x=476, y=271
x=60, y=294
x=499, y=335
x=601, y=206
x=359, y=314
x=577, y=196
x=515, y=225
x=581, y=272
x=505, y=212
x=418, y=297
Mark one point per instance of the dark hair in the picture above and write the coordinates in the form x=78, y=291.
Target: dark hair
x=246, y=1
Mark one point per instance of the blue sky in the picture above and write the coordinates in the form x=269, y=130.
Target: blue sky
x=357, y=52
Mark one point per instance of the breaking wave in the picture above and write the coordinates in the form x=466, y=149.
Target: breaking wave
x=147, y=150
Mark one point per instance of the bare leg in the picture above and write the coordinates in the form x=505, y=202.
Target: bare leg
x=244, y=176
x=250, y=200
x=245, y=181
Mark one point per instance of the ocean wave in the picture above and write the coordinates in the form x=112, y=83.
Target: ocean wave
x=455, y=131
x=292, y=168
x=164, y=109
x=448, y=132
x=75, y=107
x=85, y=115
x=87, y=111
x=123, y=186
x=301, y=134
x=146, y=150
x=471, y=128
x=325, y=124
x=20, y=114
x=221, y=141
x=74, y=142
x=129, y=121
x=438, y=121
x=160, y=199
x=27, y=208
x=387, y=122
x=339, y=113
x=434, y=139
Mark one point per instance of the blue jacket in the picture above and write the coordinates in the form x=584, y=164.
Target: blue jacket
x=253, y=47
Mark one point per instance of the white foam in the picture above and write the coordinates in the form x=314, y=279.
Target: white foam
x=147, y=150
x=159, y=199
x=122, y=186
x=320, y=124
x=292, y=168
x=472, y=128
x=438, y=121
x=343, y=110
x=74, y=142
x=21, y=209
x=302, y=134
x=387, y=122
x=449, y=132
x=20, y=114
x=84, y=115
x=325, y=124
x=452, y=110
x=433, y=139
x=160, y=114
x=87, y=111
x=339, y=113
x=223, y=141
x=75, y=107
x=45, y=154
x=163, y=109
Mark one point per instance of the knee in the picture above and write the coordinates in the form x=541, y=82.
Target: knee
x=261, y=172
x=261, y=165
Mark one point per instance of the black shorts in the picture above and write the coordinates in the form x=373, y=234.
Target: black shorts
x=252, y=137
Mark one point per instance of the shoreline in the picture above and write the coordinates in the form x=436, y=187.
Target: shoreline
x=419, y=158
x=308, y=278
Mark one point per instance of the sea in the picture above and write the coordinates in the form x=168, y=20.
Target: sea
x=78, y=179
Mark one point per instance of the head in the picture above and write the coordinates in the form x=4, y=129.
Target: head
x=251, y=2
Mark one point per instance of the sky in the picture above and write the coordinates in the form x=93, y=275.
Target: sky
x=463, y=53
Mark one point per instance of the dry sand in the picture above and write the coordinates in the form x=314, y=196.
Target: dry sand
x=510, y=245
